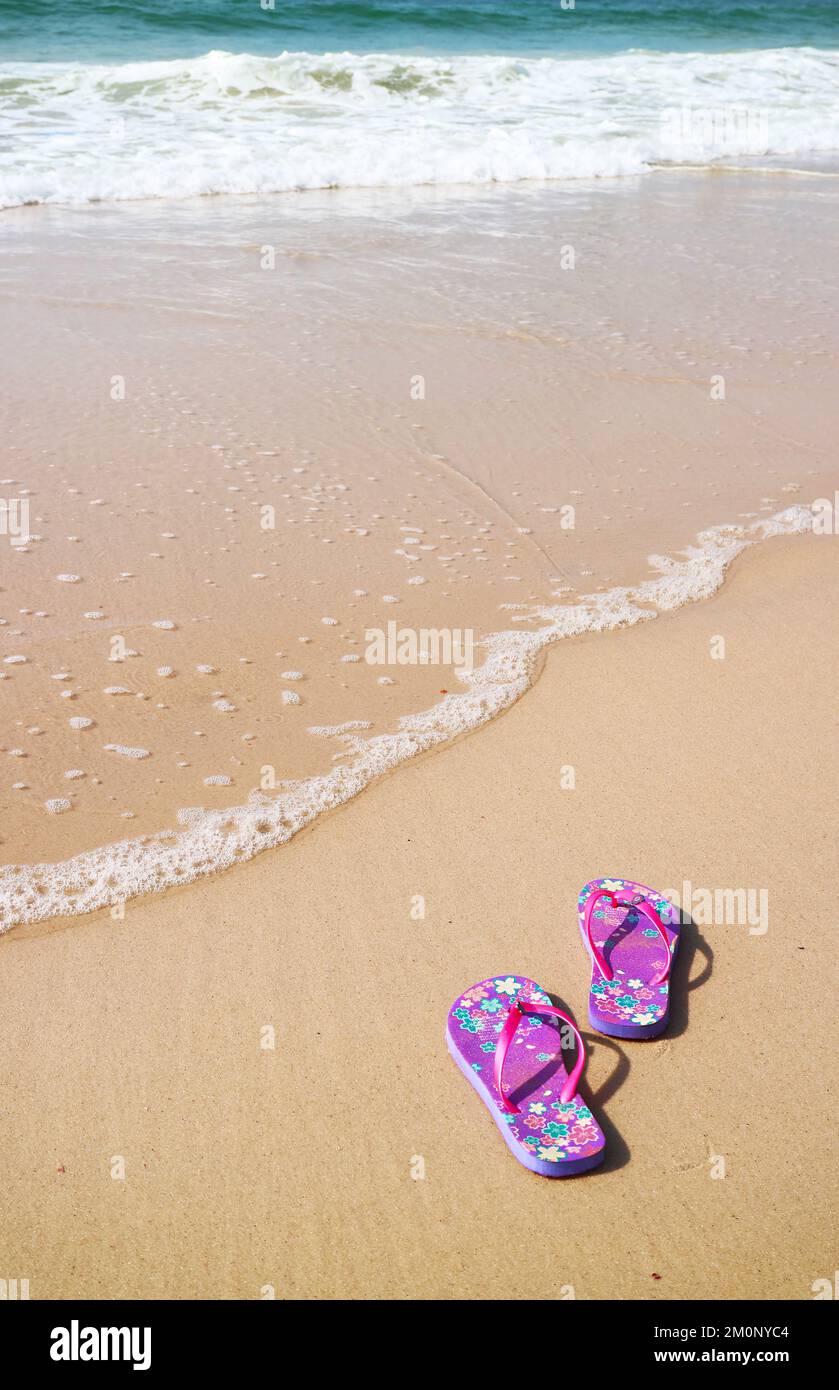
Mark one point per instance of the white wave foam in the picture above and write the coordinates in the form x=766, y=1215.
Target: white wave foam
x=235, y=123
x=216, y=840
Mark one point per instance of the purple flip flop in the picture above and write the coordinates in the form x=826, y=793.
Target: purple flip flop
x=508, y=1025
x=631, y=933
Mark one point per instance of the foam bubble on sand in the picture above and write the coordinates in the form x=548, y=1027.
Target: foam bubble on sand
x=15, y=660
x=290, y=697
x=165, y=624
x=214, y=840
x=206, y=670
x=74, y=774
x=218, y=779
x=165, y=671
x=292, y=675
x=69, y=578
x=57, y=805
x=350, y=657
x=115, y=690
x=125, y=752
x=223, y=706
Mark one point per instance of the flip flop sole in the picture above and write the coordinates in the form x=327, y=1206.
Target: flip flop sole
x=628, y=1006
x=548, y=1137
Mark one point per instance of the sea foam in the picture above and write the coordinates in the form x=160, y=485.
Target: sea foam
x=215, y=840
x=239, y=123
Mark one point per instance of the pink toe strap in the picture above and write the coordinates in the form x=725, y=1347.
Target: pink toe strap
x=642, y=905
x=505, y=1037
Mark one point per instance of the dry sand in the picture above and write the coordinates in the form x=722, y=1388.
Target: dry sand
x=247, y=1167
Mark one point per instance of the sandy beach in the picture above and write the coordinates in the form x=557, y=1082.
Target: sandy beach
x=248, y=1169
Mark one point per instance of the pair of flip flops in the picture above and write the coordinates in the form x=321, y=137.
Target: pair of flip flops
x=508, y=1038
